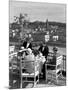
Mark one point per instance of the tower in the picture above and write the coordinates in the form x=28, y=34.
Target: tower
x=47, y=25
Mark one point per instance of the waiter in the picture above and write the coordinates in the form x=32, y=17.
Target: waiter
x=44, y=50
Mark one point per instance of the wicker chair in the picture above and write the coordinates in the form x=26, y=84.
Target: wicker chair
x=55, y=69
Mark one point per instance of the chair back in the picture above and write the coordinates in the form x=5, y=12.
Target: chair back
x=31, y=66
x=59, y=64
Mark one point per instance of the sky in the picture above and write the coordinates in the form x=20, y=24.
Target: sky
x=38, y=11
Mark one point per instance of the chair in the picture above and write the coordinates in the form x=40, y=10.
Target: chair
x=11, y=49
x=13, y=61
x=27, y=75
x=55, y=69
x=13, y=68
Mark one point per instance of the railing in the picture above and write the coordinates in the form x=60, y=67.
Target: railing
x=64, y=60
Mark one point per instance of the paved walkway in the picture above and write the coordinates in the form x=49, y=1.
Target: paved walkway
x=42, y=83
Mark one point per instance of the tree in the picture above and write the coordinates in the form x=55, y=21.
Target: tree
x=19, y=23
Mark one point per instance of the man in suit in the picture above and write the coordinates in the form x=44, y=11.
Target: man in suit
x=44, y=50
x=27, y=44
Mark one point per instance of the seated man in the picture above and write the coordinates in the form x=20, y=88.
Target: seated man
x=52, y=61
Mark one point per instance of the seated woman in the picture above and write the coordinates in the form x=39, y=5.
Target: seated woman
x=29, y=57
x=21, y=53
x=32, y=56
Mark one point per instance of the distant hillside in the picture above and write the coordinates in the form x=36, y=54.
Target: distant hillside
x=36, y=24
x=43, y=24
x=58, y=24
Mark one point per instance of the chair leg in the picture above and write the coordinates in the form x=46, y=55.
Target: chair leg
x=34, y=84
x=46, y=78
x=56, y=79
x=46, y=73
x=34, y=81
x=38, y=79
x=21, y=85
x=51, y=77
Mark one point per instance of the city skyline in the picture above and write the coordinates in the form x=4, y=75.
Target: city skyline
x=38, y=11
